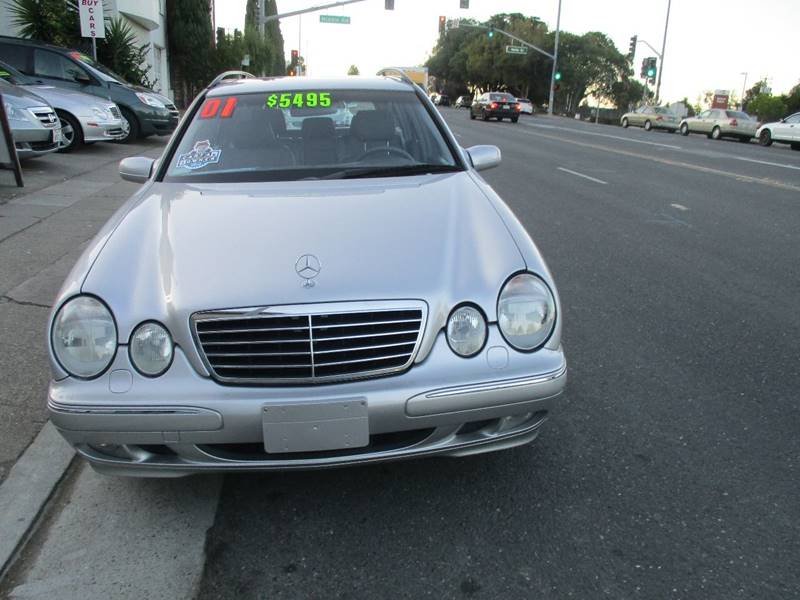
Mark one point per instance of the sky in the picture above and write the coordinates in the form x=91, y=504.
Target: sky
x=710, y=43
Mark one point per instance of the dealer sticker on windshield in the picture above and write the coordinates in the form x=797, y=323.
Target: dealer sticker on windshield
x=299, y=100
x=201, y=155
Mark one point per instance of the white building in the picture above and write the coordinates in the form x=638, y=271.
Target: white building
x=148, y=20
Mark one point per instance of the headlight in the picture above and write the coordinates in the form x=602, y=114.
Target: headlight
x=100, y=113
x=15, y=114
x=150, y=100
x=526, y=311
x=466, y=330
x=151, y=349
x=84, y=337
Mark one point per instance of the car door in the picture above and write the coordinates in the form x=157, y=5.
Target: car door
x=703, y=123
x=791, y=128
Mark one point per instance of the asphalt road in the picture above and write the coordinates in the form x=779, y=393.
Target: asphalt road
x=670, y=469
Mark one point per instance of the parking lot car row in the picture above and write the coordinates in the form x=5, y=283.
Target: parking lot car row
x=90, y=102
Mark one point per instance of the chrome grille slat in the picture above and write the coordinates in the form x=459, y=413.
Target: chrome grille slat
x=329, y=342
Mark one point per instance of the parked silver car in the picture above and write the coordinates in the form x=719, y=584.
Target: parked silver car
x=651, y=117
x=84, y=118
x=279, y=299
x=718, y=123
x=34, y=124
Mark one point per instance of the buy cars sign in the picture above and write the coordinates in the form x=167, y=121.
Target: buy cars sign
x=92, y=24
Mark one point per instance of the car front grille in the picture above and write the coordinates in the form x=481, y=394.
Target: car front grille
x=309, y=343
x=46, y=116
x=115, y=112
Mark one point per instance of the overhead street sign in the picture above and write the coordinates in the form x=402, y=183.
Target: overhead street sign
x=334, y=19
x=516, y=50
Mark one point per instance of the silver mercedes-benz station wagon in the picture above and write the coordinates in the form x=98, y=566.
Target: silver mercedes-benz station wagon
x=325, y=293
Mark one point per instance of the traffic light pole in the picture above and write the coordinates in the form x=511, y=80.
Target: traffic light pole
x=663, y=48
x=555, y=63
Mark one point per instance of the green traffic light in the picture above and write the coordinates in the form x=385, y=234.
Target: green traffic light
x=558, y=76
x=491, y=33
x=651, y=72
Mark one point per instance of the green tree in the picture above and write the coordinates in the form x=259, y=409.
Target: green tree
x=265, y=50
x=626, y=93
x=792, y=100
x=52, y=21
x=752, y=92
x=190, y=42
x=353, y=70
x=121, y=53
x=767, y=107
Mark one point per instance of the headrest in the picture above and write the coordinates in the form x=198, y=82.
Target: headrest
x=372, y=125
x=318, y=127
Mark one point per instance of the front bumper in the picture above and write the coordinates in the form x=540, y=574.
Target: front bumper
x=34, y=140
x=95, y=130
x=184, y=423
x=158, y=121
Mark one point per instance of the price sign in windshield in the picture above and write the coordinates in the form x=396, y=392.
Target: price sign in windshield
x=299, y=100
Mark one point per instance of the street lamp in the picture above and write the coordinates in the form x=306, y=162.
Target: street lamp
x=744, y=87
x=663, y=48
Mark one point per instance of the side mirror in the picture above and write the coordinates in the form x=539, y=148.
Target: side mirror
x=136, y=168
x=484, y=157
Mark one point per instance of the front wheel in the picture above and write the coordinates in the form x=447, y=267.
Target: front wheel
x=71, y=132
x=684, y=129
x=648, y=125
x=716, y=133
x=471, y=115
x=483, y=116
x=765, y=139
x=130, y=125
x=625, y=122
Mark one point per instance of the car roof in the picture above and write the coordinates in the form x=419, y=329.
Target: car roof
x=36, y=43
x=279, y=84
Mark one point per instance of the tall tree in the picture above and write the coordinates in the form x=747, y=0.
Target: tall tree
x=265, y=50
x=189, y=37
x=353, y=70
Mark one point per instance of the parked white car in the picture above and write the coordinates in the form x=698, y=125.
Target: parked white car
x=786, y=131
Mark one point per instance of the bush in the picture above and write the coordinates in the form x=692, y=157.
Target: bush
x=120, y=53
x=767, y=107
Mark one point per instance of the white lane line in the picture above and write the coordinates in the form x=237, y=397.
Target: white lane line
x=678, y=206
x=582, y=175
x=765, y=162
x=605, y=135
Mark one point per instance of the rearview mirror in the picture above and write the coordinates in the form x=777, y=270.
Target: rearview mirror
x=484, y=157
x=136, y=168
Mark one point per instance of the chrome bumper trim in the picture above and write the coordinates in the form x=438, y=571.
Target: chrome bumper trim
x=498, y=386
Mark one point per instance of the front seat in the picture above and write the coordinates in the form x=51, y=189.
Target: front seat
x=370, y=129
x=319, y=141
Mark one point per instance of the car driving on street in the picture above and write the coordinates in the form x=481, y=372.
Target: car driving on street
x=34, y=125
x=651, y=117
x=525, y=106
x=495, y=105
x=463, y=102
x=84, y=118
x=785, y=131
x=718, y=123
x=277, y=298
x=145, y=111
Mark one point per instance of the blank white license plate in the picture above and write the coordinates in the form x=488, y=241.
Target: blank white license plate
x=315, y=426
x=506, y=107
x=57, y=136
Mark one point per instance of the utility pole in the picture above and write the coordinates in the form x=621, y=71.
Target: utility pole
x=744, y=87
x=663, y=48
x=555, y=62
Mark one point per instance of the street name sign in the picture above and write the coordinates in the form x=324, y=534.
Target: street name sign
x=334, y=19
x=516, y=50
x=92, y=23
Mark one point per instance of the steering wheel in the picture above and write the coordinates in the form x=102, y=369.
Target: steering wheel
x=387, y=150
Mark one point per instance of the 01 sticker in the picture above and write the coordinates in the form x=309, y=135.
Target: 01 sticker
x=201, y=155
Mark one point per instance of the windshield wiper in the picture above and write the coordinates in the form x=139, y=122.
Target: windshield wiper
x=384, y=171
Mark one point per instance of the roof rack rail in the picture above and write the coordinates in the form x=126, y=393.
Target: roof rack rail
x=396, y=72
x=230, y=75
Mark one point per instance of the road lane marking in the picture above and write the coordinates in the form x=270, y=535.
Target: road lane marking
x=606, y=135
x=678, y=206
x=764, y=162
x=582, y=175
x=674, y=163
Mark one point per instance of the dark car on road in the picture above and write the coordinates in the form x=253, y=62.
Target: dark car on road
x=147, y=112
x=495, y=105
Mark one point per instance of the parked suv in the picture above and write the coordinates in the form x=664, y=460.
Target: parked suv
x=146, y=112
x=34, y=125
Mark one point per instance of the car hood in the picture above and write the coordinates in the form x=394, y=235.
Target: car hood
x=20, y=97
x=187, y=248
x=65, y=98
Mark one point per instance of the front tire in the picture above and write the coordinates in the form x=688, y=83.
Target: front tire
x=684, y=129
x=765, y=139
x=483, y=116
x=625, y=122
x=134, y=130
x=71, y=132
x=716, y=133
x=648, y=126
x=471, y=115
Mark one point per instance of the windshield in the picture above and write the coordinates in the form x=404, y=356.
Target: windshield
x=11, y=75
x=502, y=98
x=100, y=71
x=301, y=134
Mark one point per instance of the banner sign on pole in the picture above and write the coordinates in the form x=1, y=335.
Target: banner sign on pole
x=92, y=23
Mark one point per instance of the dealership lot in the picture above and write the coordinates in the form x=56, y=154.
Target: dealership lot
x=669, y=470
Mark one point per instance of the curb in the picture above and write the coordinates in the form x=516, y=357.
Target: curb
x=27, y=488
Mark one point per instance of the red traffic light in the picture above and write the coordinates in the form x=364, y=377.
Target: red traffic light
x=295, y=54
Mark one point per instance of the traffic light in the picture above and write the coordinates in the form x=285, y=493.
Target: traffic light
x=643, y=70
x=442, y=23
x=490, y=33
x=632, y=47
x=295, y=54
x=389, y=5
x=464, y=3
x=651, y=67
x=557, y=76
